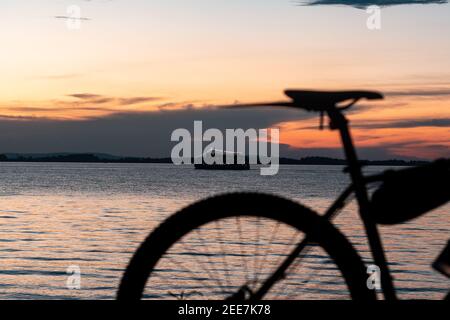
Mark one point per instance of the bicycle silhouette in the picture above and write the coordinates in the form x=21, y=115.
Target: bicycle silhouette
x=212, y=249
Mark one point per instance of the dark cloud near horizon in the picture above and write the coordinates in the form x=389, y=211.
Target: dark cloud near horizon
x=131, y=134
x=135, y=100
x=408, y=123
x=419, y=92
x=92, y=98
x=81, y=102
x=148, y=133
x=361, y=4
x=444, y=123
x=84, y=96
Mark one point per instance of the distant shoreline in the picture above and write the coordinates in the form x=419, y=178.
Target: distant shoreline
x=106, y=158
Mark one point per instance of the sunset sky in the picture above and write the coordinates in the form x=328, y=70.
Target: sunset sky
x=136, y=70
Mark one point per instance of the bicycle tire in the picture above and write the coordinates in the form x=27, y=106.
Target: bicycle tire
x=273, y=207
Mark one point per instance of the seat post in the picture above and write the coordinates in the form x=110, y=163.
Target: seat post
x=339, y=122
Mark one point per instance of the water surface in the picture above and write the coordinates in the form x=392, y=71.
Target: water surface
x=54, y=215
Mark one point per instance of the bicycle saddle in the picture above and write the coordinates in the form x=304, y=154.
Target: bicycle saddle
x=321, y=100
x=316, y=100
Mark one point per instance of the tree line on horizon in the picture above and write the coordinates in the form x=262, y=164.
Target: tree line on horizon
x=93, y=158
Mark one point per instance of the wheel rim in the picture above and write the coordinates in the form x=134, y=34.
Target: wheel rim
x=232, y=257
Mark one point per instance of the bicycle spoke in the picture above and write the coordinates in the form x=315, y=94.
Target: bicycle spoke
x=208, y=271
x=208, y=256
x=256, y=251
x=244, y=261
x=274, y=231
x=178, y=265
x=220, y=240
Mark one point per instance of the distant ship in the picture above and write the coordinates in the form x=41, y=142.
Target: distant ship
x=224, y=166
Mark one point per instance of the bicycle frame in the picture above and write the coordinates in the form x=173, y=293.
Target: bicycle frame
x=338, y=121
x=359, y=188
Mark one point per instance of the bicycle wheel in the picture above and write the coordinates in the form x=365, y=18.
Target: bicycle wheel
x=232, y=243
